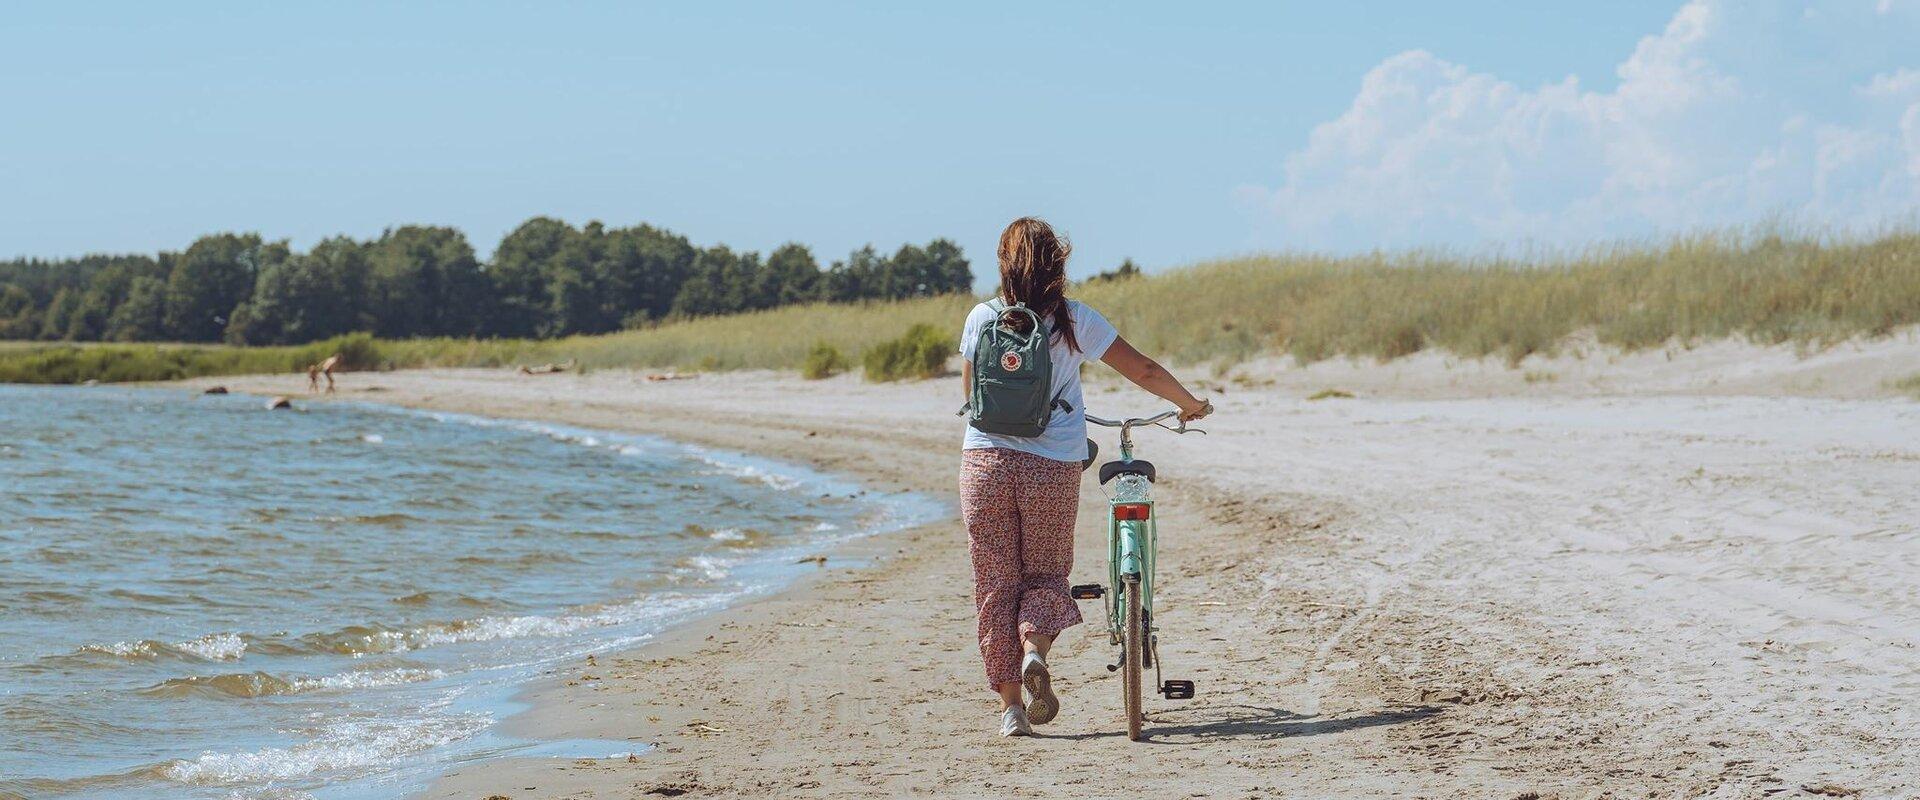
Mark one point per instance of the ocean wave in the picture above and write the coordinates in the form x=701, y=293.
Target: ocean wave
x=391, y=518
x=705, y=567
x=362, y=640
x=745, y=471
x=347, y=747
x=215, y=647
x=261, y=684
x=51, y=720
x=211, y=647
x=740, y=538
x=452, y=598
x=781, y=477
x=531, y=559
x=554, y=432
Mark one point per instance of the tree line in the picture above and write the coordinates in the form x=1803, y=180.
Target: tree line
x=547, y=278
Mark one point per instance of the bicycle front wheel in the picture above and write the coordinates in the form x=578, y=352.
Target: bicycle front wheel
x=1134, y=648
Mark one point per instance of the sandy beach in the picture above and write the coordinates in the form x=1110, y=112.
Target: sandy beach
x=1669, y=574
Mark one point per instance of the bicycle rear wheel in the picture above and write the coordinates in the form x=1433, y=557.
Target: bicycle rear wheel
x=1135, y=645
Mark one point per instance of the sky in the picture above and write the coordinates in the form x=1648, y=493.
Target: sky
x=1166, y=133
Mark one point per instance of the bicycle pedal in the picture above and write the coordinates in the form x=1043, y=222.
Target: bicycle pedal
x=1087, y=591
x=1177, y=690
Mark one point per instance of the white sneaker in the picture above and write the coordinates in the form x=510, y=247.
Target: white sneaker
x=1013, y=722
x=1043, y=705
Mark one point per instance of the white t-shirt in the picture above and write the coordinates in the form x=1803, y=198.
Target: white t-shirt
x=1065, y=438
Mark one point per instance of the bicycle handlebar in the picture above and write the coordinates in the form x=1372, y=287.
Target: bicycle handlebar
x=1156, y=420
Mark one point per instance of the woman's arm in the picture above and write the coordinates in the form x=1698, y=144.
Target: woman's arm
x=1149, y=375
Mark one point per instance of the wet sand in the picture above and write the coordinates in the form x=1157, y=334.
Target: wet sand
x=1630, y=579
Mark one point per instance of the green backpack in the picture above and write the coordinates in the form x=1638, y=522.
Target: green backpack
x=1012, y=374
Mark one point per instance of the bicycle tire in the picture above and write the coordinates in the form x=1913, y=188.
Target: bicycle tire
x=1135, y=645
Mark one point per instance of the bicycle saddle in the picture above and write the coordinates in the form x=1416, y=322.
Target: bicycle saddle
x=1113, y=469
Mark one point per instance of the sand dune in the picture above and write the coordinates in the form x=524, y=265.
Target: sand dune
x=1637, y=580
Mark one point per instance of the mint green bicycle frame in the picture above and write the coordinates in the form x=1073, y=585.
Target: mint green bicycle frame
x=1131, y=543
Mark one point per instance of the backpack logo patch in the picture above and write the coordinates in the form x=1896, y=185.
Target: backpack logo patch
x=1010, y=361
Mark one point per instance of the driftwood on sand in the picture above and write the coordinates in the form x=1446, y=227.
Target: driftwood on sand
x=547, y=369
x=671, y=376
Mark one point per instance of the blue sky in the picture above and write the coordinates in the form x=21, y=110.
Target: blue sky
x=1164, y=132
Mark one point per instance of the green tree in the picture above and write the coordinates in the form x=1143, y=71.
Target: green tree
x=947, y=270
x=521, y=275
x=425, y=281
x=312, y=296
x=546, y=279
x=59, y=314
x=915, y=271
x=210, y=280
x=575, y=301
x=723, y=282
x=142, y=318
x=105, y=291
x=19, y=313
x=857, y=278
x=641, y=270
x=345, y=276
x=89, y=322
x=1126, y=270
x=790, y=276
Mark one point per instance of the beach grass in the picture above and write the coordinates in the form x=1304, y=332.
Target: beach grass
x=921, y=352
x=1768, y=287
x=823, y=361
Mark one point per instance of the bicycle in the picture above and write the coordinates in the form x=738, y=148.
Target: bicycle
x=1132, y=539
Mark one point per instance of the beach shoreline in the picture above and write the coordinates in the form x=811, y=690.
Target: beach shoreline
x=552, y=712
x=1356, y=586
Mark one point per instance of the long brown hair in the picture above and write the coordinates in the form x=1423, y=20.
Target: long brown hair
x=1033, y=270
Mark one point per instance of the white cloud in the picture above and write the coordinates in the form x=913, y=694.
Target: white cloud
x=1735, y=112
x=1896, y=84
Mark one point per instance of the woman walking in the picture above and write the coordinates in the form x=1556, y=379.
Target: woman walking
x=1019, y=494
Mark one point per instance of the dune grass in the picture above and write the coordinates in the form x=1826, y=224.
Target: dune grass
x=823, y=361
x=1766, y=288
x=1769, y=288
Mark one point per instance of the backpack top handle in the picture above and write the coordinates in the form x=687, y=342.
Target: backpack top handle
x=1000, y=309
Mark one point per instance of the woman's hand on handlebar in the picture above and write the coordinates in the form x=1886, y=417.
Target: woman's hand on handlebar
x=1199, y=410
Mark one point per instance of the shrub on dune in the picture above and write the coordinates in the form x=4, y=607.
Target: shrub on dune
x=920, y=353
x=823, y=361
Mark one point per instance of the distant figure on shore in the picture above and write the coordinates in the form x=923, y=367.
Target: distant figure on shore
x=314, y=371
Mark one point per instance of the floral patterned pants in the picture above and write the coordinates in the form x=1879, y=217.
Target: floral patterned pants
x=1019, y=509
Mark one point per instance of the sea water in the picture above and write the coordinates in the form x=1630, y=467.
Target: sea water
x=200, y=597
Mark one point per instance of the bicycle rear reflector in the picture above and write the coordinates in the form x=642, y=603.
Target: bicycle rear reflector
x=1132, y=510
